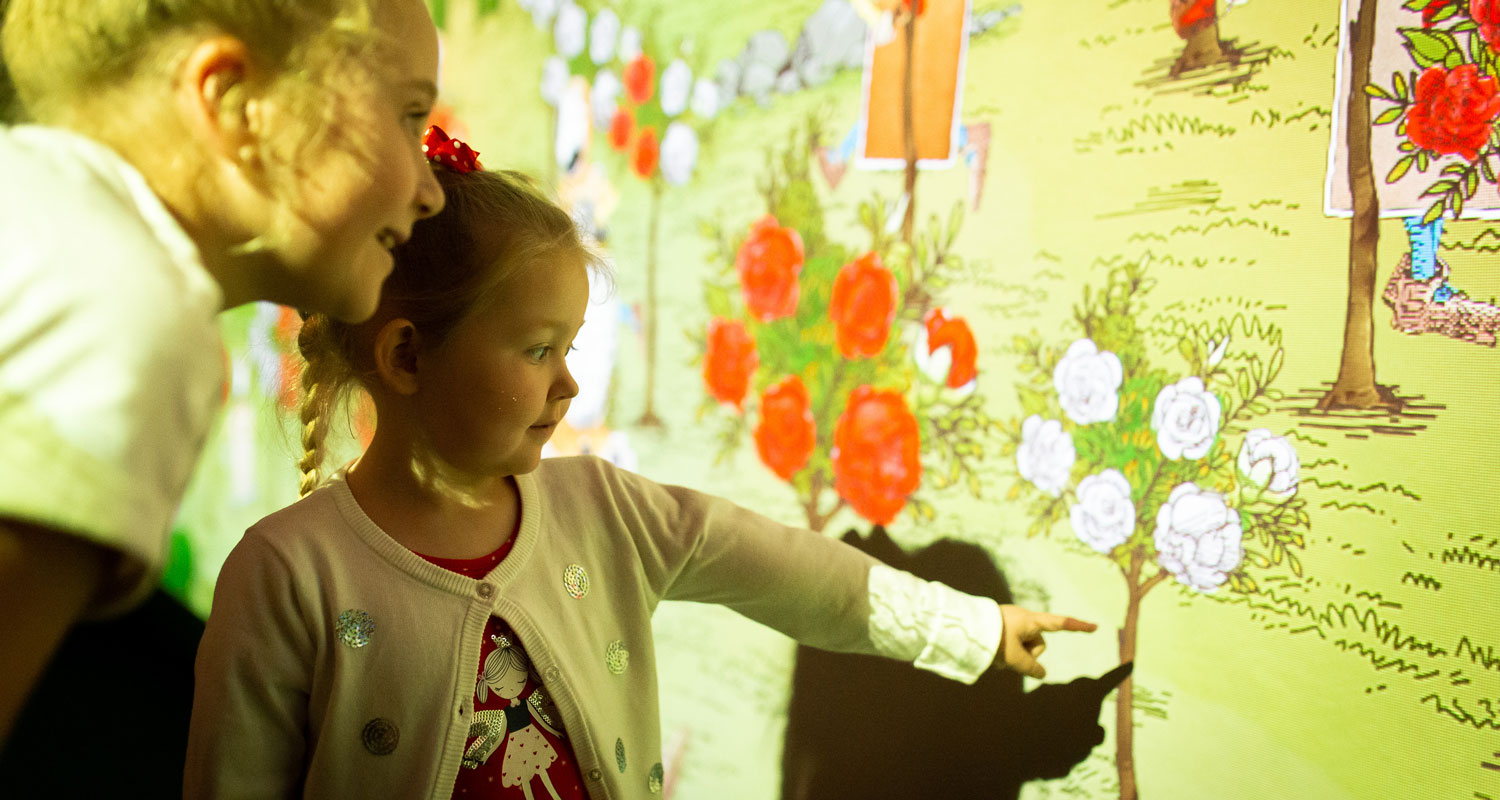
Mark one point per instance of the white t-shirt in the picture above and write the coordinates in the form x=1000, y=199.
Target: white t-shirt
x=111, y=361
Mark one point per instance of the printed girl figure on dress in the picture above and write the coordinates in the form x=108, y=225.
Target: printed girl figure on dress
x=528, y=754
x=348, y=630
x=162, y=164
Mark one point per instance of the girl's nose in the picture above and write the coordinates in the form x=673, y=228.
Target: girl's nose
x=429, y=197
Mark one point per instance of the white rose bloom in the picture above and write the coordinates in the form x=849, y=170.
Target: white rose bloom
x=630, y=44
x=555, y=77
x=1088, y=383
x=570, y=31
x=705, y=103
x=1103, y=517
x=1046, y=454
x=676, y=84
x=1270, y=462
x=679, y=153
x=1198, y=537
x=603, y=35
x=1186, y=419
x=541, y=11
x=604, y=98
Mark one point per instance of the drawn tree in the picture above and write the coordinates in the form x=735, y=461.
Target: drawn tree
x=855, y=386
x=1356, y=387
x=1197, y=24
x=1157, y=470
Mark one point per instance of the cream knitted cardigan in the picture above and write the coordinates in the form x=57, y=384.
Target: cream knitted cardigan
x=336, y=663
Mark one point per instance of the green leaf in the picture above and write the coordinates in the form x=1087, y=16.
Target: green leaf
x=1422, y=160
x=1375, y=91
x=1444, y=14
x=1390, y=115
x=1429, y=48
x=1471, y=183
x=1454, y=60
x=1399, y=82
x=1456, y=202
x=1415, y=5
x=1433, y=213
x=1403, y=164
x=1489, y=172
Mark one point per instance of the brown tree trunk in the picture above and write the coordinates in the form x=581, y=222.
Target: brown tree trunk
x=909, y=126
x=649, y=417
x=1356, y=386
x=1125, y=697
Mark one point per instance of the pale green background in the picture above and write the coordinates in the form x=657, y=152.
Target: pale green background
x=1252, y=710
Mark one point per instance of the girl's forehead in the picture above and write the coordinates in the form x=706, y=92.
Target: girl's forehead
x=410, y=50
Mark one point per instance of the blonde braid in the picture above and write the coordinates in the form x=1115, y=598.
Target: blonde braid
x=319, y=388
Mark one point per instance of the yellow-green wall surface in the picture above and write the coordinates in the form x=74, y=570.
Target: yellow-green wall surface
x=1352, y=651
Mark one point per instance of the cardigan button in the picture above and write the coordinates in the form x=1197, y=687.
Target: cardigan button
x=595, y=775
x=552, y=673
x=485, y=590
x=381, y=736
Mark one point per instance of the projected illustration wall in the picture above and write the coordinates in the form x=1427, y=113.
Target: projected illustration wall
x=1175, y=315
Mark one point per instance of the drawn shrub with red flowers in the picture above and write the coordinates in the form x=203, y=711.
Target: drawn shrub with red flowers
x=1188, y=16
x=1449, y=110
x=621, y=125
x=1454, y=111
x=729, y=361
x=876, y=454
x=786, y=432
x=768, y=264
x=647, y=151
x=1486, y=14
x=640, y=79
x=952, y=333
x=863, y=306
x=863, y=387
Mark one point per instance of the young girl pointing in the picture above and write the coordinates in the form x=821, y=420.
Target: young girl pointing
x=451, y=616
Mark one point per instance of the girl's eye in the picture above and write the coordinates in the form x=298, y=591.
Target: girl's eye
x=416, y=120
x=539, y=352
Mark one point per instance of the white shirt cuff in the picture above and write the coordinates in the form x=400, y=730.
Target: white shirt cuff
x=939, y=629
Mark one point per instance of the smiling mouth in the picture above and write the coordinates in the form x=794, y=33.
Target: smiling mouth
x=389, y=239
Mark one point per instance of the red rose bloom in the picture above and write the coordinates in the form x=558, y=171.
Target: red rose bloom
x=1453, y=111
x=643, y=160
x=730, y=360
x=876, y=449
x=620, y=127
x=786, y=433
x=640, y=79
x=953, y=333
x=862, y=306
x=1191, y=16
x=768, y=263
x=1487, y=14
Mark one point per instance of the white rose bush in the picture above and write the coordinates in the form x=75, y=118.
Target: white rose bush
x=648, y=109
x=1135, y=442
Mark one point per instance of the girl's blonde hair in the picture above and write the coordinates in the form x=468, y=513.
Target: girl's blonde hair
x=63, y=56
x=494, y=225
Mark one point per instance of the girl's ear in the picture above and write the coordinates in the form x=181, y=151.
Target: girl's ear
x=213, y=91
x=396, y=356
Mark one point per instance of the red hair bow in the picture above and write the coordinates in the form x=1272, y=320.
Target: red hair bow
x=446, y=151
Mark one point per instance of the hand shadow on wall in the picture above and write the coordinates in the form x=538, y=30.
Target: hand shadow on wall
x=868, y=727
